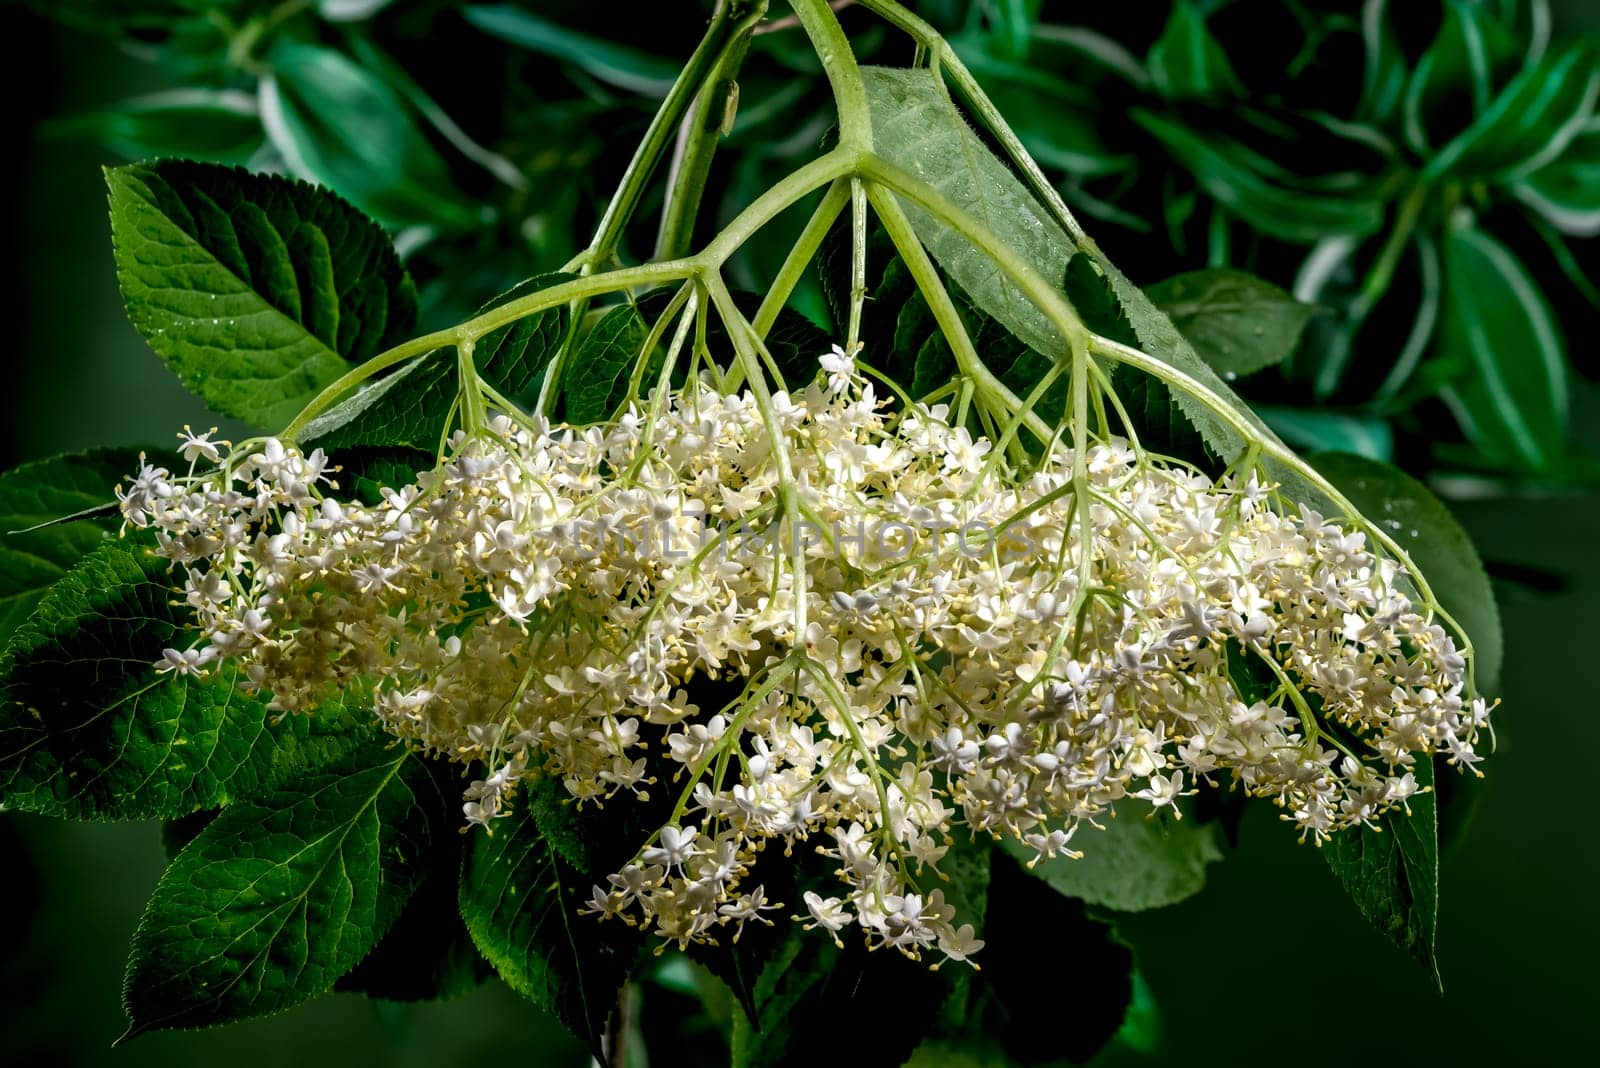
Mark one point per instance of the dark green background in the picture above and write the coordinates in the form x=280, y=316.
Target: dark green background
x=1269, y=965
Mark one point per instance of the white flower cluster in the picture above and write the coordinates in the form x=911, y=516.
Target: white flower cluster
x=915, y=633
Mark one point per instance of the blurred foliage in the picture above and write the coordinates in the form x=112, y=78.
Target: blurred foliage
x=1425, y=175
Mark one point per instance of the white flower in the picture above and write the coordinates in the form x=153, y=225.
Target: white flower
x=545, y=601
x=200, y=446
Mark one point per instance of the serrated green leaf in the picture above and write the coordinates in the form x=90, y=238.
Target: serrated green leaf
x=90, y=730
x=1132, y=865
x=32, y=560
x=917, y=128
x=595, y=380
x=427, y=954
x=1499, y=336
x=1566, y=191
x=215, y=125
x=336, y=123
x=1529, y=123
x=520, y=903
x=257, y=291
x=1187, y=60
x=1410, y=514
x=279, y=897
x=1393, y=874
x=1093, y=297
x=364, y=472
x=1237, y=323
x=408, y=409
x=1238, y=178
x=1159, y=338
x=618, y=65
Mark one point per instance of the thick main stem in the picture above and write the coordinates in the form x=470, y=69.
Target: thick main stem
x=699, y=133
x=839, y=64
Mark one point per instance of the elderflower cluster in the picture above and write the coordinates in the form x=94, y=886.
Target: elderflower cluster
x=902, y=631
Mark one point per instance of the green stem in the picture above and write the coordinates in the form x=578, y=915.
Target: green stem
x=788, y=191
x=839, y=64
x=944, y=58
x=994, y=393
x=707, y=55
x=799, y=257
x=699, y=133
x=408, y=350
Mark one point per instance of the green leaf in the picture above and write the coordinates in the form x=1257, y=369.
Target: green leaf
x=1158, y=337
x=32, y=560
x=428, y=953
x=1454, y=79
x=1318, y=429
x=338, y=124
x=1393, y=874
x=520, y=902
x=215, y=125
x=917, y=128
x=1246, y=185
x=90, y=730
x=1410, y=514
x=1566, y=191
x=1502, y=341
x=1237, y=323
x=612, y=63
x=256, y=290
x=279, y=897
x=409, y=408
x=1383, y=80
x=1132, y=865
x=1530, y=123
x=1187, y=60
x=595, y=380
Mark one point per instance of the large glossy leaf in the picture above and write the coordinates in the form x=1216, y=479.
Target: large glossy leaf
x=1133, y=864
x=1530, y=122
x=1238, y=323
x=1410, y=514
x=337, y=123
x=280, y=896
x=1392, y=874
x=408, y=409
x=215, y=125
x=619, y=65
x=916, y=127
x=258, y=291
x=1566, y=191
x=520, y=902
x=90, y=730
x=32, y=560
x=1499, y=335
